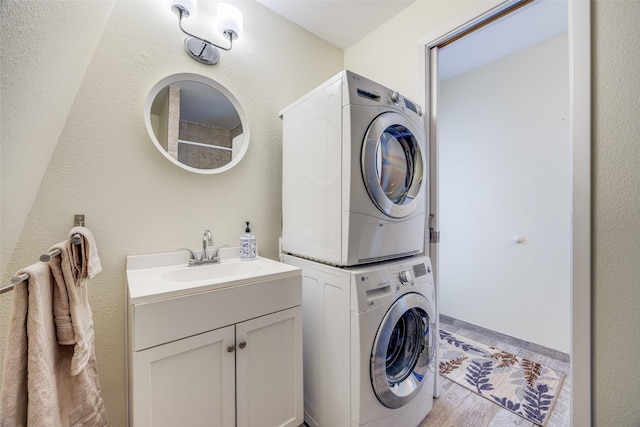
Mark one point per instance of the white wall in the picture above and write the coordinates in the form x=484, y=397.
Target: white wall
x=504, y=162
x=39, y=85
x=616, y=193
x=74, y=141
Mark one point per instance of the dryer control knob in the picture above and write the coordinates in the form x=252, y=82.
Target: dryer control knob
x=395, y=97
x=405, y=277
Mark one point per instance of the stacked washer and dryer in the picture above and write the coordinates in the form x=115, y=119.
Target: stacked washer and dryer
x=354, y=213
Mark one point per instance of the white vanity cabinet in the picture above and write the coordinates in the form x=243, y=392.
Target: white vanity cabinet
x=228, y=356
x=268, y=349
x=187, y=382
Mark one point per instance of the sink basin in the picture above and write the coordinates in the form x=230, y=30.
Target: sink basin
x=210, y=271
x=154, y=277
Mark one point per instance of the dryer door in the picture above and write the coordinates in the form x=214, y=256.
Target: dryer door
x=392, y=164
x=402, y=350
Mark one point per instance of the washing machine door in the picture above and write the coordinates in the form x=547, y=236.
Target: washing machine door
x=402, y=350
x=392, y=164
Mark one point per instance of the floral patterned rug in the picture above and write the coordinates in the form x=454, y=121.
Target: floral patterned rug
x=523, y=387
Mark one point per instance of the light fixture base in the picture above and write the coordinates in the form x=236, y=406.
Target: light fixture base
x=230, y=34
x=201, y=50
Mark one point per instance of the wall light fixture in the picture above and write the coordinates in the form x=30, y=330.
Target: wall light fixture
x=228, y=23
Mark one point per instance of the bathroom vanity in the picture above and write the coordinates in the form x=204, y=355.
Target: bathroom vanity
x=214, y=345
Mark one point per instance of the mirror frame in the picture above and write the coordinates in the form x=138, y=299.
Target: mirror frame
x=160, y=85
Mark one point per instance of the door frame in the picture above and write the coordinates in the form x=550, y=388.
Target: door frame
x=579, y=36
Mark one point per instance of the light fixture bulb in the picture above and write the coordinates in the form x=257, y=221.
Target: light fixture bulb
x=228, y=20
x=188, y=7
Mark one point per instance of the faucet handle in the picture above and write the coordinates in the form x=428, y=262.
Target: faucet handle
x=192, y=254
x=216, y=250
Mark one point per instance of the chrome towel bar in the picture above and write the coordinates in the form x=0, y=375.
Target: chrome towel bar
x=76, y=239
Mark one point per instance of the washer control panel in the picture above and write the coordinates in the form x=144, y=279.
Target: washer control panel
x=375, y=285
x=415, y=274
x=405, y=277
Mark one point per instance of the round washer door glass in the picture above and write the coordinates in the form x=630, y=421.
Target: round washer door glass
x=402, y=351
x=392, y=164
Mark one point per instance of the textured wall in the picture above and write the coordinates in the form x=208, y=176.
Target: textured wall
x=616, y=212
x=89, y=117
x=41, y=74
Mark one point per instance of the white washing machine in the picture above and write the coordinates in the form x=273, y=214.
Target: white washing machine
x=369, y=342
x=354, y=174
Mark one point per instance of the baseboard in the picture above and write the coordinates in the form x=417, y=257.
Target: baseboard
x=545, y=351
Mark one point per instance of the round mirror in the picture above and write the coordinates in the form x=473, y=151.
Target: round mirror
x=196, y=123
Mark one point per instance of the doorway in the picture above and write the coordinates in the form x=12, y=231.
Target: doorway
x=575, y=270
x=504, y=181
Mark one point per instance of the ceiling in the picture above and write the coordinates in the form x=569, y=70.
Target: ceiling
x=344, y=22
x=525, y=27
x=340, y=22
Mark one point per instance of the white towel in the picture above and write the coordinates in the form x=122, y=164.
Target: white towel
x=38, y=389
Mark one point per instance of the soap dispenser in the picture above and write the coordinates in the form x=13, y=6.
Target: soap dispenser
x=247, y=245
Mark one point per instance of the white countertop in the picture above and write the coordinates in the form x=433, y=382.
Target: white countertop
x=147, y=275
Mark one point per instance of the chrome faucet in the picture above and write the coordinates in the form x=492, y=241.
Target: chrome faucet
x=207, y=240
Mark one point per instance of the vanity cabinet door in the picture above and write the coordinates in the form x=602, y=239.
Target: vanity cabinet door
x=269, y=370
x=189, y=382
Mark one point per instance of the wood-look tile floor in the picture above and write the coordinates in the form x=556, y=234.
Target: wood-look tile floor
x=458, y=407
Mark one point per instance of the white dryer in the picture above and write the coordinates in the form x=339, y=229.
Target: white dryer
x=354, y=174
x=369, y=342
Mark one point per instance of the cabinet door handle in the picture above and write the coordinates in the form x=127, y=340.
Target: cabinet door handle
x=231, y=348
x=242, y=344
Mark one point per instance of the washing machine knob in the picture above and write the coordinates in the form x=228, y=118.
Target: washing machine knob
x=395, y=97
x=405, y=277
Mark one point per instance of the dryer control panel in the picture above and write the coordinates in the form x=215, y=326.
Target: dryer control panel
x=384, y=283
x=363, y=91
